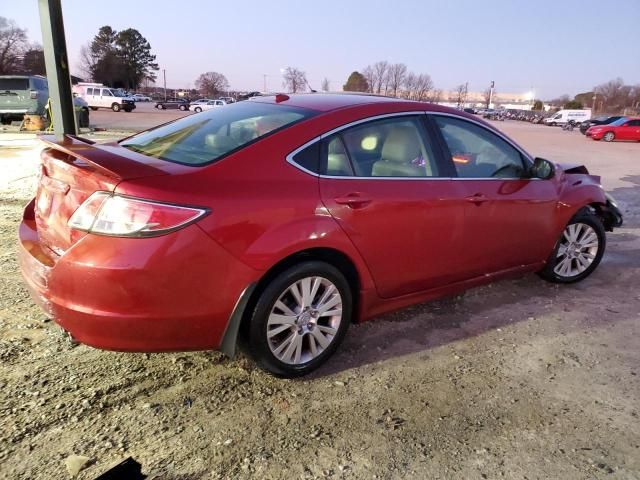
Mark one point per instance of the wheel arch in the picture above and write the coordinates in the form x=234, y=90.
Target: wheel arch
x=241, y=316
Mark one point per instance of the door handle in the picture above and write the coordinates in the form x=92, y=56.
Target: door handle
x=353, y=200
x=478, y=199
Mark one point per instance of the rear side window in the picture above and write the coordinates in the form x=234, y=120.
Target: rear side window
x=309, y=158
x=14, y=84
x=209, y=136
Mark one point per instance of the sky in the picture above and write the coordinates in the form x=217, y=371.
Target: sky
x=552, y=47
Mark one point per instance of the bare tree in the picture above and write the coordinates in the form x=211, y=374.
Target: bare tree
x=380, y=75
x=460, y=94
x=488, y=96
x=424, y=87
x=325, y=85
x=295, y=80
x=13, y=43
x=211, y=84
x=87, y=62
x=615, y=94
x=409, y=85
x=370, y=76
x=435, y=96
x=395, y=77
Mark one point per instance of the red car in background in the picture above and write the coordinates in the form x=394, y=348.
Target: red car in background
x=284, y=219
x=622, y=129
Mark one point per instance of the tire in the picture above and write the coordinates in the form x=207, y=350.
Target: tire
x=609, y=137
x=128, y=110
x=583, y=227
x=160, y=107
x=94, y=108
x=115, y=107
x=553, y=124
x=279, y=352
x=182, y=108
x=197, y=109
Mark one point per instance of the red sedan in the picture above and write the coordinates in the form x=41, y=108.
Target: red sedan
x=286, y=218
x=622, y=129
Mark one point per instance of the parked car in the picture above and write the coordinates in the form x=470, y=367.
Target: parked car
x=199, y=107
x=173, y=103
x=99, y=96
x=602, y=120
x=288, y=217
x=563, y=116
x=622, y=129
x=227, y=99
x=139, y=97
x=22, y=94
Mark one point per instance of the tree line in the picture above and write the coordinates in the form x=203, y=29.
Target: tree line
x=613, y=96
x=393, y=79
x=17, y=54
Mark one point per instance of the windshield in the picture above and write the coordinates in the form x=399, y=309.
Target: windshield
x=619, y=122
x=208, y=136
x=118, y=93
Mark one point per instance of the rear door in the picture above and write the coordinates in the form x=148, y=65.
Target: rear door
x=383, y=183
x=509, y=220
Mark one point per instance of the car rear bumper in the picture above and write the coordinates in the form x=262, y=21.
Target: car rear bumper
x=169, y=293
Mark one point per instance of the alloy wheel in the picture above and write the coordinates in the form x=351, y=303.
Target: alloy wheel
x=304, y=320
x=577, y=251
x=608, y=137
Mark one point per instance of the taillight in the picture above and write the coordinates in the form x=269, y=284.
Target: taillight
x=34, y=94
x=104, y=213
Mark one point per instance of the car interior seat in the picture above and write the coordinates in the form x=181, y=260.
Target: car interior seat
x=400, y=149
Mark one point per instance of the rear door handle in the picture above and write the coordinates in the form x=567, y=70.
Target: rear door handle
x=353, y=200
x=478, y=199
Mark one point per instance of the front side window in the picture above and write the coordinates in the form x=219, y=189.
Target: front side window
x=393, y=147
x=203, y=138
x=106, y=93
x=477, y=152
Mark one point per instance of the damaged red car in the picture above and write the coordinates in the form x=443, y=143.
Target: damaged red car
x=286, y=218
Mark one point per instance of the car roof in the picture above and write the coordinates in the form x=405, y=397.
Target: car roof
x=325, y=102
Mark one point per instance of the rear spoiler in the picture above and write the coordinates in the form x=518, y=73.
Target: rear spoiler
x=112, y=160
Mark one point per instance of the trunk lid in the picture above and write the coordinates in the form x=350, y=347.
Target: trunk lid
x=70, y=171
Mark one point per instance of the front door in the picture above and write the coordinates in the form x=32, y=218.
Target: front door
x=509, y=217
x=383, y=184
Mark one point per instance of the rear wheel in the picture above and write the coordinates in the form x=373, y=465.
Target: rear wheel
x=115, y=107
x=197, y=109
x=609, y=137
x=182, y=107
x=579, y=250
x=94, y=108
x=300, y=319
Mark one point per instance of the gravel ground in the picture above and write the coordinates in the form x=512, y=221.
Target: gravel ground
x=519, y=380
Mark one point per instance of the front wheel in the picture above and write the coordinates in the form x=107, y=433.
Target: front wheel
x=182, y=107
x=609, y=137
x=197, y=109
x=115, y=107
x=578, y=251
x=300, y=318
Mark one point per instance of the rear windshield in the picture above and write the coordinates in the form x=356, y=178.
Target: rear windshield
x=205, y=137
x=14, y=84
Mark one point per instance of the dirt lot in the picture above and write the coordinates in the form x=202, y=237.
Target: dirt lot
x=518, y=380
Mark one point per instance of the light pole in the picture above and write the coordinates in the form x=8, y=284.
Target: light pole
x=491, y=93
x=164, y=74
x=593, y=106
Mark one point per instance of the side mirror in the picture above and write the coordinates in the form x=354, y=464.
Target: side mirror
x=542, y=169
